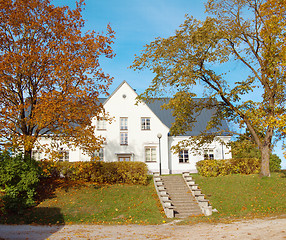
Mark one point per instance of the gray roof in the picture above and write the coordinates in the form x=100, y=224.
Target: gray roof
x=167, y=118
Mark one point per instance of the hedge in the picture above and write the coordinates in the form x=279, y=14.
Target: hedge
x=97, y=172
x=214, y=168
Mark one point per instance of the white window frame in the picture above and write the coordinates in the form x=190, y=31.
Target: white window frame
x=145, y=123
x=99, y=154
x=123, y=138
x=123, y=123
x=150, y=154
x=64, y=156
x=101, y=124
x=37, y=155
x=184, y=156
x=208, y=154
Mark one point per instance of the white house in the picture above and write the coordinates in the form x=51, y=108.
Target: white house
x=133, y=135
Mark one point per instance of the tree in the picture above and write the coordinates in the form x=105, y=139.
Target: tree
x=243, y=147
x=249, y=32
x=50, y=76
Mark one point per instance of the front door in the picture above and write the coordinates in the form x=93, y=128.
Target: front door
x=123, y=159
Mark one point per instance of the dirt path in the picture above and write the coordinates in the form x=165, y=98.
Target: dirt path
x=252, y=229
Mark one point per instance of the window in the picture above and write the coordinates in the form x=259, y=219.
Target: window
x=101, y=125
x=123, y=123
x=99, y=154
x=208, y=154
x=36, y=154
x=64, y=156
x=184, y=156
x=150, y=154
x=145, y=123
x=123, y=159
x=124, y=138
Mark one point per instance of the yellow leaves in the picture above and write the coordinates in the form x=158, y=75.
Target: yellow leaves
x=44, y=80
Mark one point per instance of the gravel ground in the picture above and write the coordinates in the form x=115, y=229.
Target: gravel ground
x=251, y=229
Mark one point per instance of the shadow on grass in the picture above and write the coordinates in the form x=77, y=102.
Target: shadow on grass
x=48, y=187
x=37, y=215
x=283, y=173
x=14, y=225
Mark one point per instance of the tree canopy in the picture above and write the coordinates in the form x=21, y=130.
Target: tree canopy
x=50, y=75
x=251, y=32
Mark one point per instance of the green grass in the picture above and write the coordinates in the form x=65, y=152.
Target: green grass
x=243, y=196
x=234, y=196
x=94, y=204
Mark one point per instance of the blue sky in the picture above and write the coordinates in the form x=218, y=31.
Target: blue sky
x=137, y=23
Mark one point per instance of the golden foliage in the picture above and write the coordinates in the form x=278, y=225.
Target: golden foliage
x=97, y=172
x=246, y=32
x=50, y=76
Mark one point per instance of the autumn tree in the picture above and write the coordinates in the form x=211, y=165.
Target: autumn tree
x=201, y=54
x=50, y=76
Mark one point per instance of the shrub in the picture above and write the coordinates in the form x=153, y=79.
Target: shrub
x=245, y=165
x=19, y=177
x=98, y=172
x=274, y=163
x=214, y=168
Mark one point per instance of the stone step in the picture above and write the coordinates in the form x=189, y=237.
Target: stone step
x=181, y=196
x=182, y=201
x=178, y=215
x=178, y=198
x=187, y=210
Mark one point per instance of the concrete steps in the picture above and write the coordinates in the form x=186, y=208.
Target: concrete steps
x=184, y=202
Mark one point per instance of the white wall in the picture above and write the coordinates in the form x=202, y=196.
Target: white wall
x=122, y=104
x=46, y=142
x=220, y=152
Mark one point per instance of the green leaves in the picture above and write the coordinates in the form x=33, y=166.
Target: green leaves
x=202, y=53
x=19, y=177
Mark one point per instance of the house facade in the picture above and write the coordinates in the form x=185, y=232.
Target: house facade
x=140, y=132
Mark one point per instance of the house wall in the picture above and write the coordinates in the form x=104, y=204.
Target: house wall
x=122, y=104
x=221, y=151
x=46, y=142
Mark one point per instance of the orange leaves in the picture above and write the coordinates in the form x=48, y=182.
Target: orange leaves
x=50, y=75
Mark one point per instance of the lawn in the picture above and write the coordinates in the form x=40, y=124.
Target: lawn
x=244, y=196
x=234, y=196
x=63, y=203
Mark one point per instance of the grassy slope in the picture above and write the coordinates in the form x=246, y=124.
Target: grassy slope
x=244, y=196
x=235, y=196
x=95, y=204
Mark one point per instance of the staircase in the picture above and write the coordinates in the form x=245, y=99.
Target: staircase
x=184, y=203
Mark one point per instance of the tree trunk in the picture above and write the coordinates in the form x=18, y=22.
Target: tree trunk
x=265, y=170
x=28, y=153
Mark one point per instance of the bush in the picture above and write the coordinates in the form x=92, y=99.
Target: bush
x=19, y=177
x=98, y=172
x=274, y=163
x=245, y=165
x=214, y=168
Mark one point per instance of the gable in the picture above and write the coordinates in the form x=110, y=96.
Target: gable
x=124, y=98
x=122, y=103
